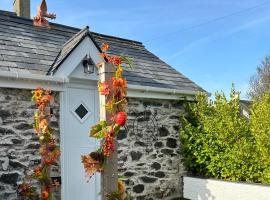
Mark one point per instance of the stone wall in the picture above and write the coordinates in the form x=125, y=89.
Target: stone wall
x=148, y=149
x=19, y=147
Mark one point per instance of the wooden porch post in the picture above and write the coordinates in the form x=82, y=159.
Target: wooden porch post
x=109, y=176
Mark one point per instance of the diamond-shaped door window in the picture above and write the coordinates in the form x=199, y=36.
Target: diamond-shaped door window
x=81, y=111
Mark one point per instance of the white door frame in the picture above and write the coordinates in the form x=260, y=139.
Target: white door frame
x=82, y=84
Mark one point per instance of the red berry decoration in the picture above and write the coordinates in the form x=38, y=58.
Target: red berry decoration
x=121, y=118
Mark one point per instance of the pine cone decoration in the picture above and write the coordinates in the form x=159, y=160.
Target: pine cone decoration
x=97, y=156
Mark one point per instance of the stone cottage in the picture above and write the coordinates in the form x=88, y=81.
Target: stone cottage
x=53, y=58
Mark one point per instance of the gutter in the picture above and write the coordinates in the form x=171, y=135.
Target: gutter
x=62, y=80
x=162, y=90
x=36, y=77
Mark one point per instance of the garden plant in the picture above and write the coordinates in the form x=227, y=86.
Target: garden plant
x=219, y=142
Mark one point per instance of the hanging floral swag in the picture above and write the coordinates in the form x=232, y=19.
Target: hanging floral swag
x=49, y=151
x=116, y=104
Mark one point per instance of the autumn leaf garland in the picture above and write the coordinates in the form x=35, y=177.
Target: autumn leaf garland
x=116, y=103
x=49, y=150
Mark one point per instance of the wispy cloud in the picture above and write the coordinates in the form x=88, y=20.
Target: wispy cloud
x=207, y=39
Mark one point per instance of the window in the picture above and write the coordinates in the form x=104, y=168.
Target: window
x=81, y=111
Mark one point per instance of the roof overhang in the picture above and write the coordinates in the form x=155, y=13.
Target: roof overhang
x=160, y=93
x=31, y=81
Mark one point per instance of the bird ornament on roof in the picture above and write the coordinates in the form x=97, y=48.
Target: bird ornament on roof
x=40, y=19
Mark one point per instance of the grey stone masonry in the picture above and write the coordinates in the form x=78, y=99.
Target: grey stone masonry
x=149, y=159
x=19, y=146
x=148, y=148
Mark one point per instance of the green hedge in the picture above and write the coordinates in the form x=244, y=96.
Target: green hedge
x=217, y=141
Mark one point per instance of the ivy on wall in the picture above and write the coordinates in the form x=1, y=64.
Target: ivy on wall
x=217, y=141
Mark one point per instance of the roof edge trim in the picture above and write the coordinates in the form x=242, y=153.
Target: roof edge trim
x=53, y=69
x=163, y=90
x=36, y=77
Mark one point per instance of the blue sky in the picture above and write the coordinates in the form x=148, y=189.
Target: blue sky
x=214, y=55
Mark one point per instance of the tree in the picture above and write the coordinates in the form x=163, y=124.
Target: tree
x=260, y=82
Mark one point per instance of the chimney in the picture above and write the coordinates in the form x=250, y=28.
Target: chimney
x=22, y=8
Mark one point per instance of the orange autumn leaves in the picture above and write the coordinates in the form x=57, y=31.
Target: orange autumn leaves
x=117, y=83
x=115, y=99
x=105, y=47
x=103, y=88
x=42, y=98
x=115, y=60
x=108, y=144
x=90, y=165
x=49, y=150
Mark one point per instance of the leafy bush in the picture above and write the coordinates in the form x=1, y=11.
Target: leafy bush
x=217, y=141
x=260, y=129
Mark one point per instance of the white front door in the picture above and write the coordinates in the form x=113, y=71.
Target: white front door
x=80, y=108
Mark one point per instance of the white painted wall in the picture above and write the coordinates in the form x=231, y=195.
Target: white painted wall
x=208, y=189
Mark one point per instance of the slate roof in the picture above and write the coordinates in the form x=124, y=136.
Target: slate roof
x=28, y=49
x=245, y=104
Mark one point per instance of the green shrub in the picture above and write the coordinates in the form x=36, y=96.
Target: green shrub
x=260, y=129
x=217, y=141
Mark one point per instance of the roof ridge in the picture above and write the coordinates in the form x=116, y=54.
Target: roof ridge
x=29, y=21
x=5, y=12
x=68, y=28
x=115, y=37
